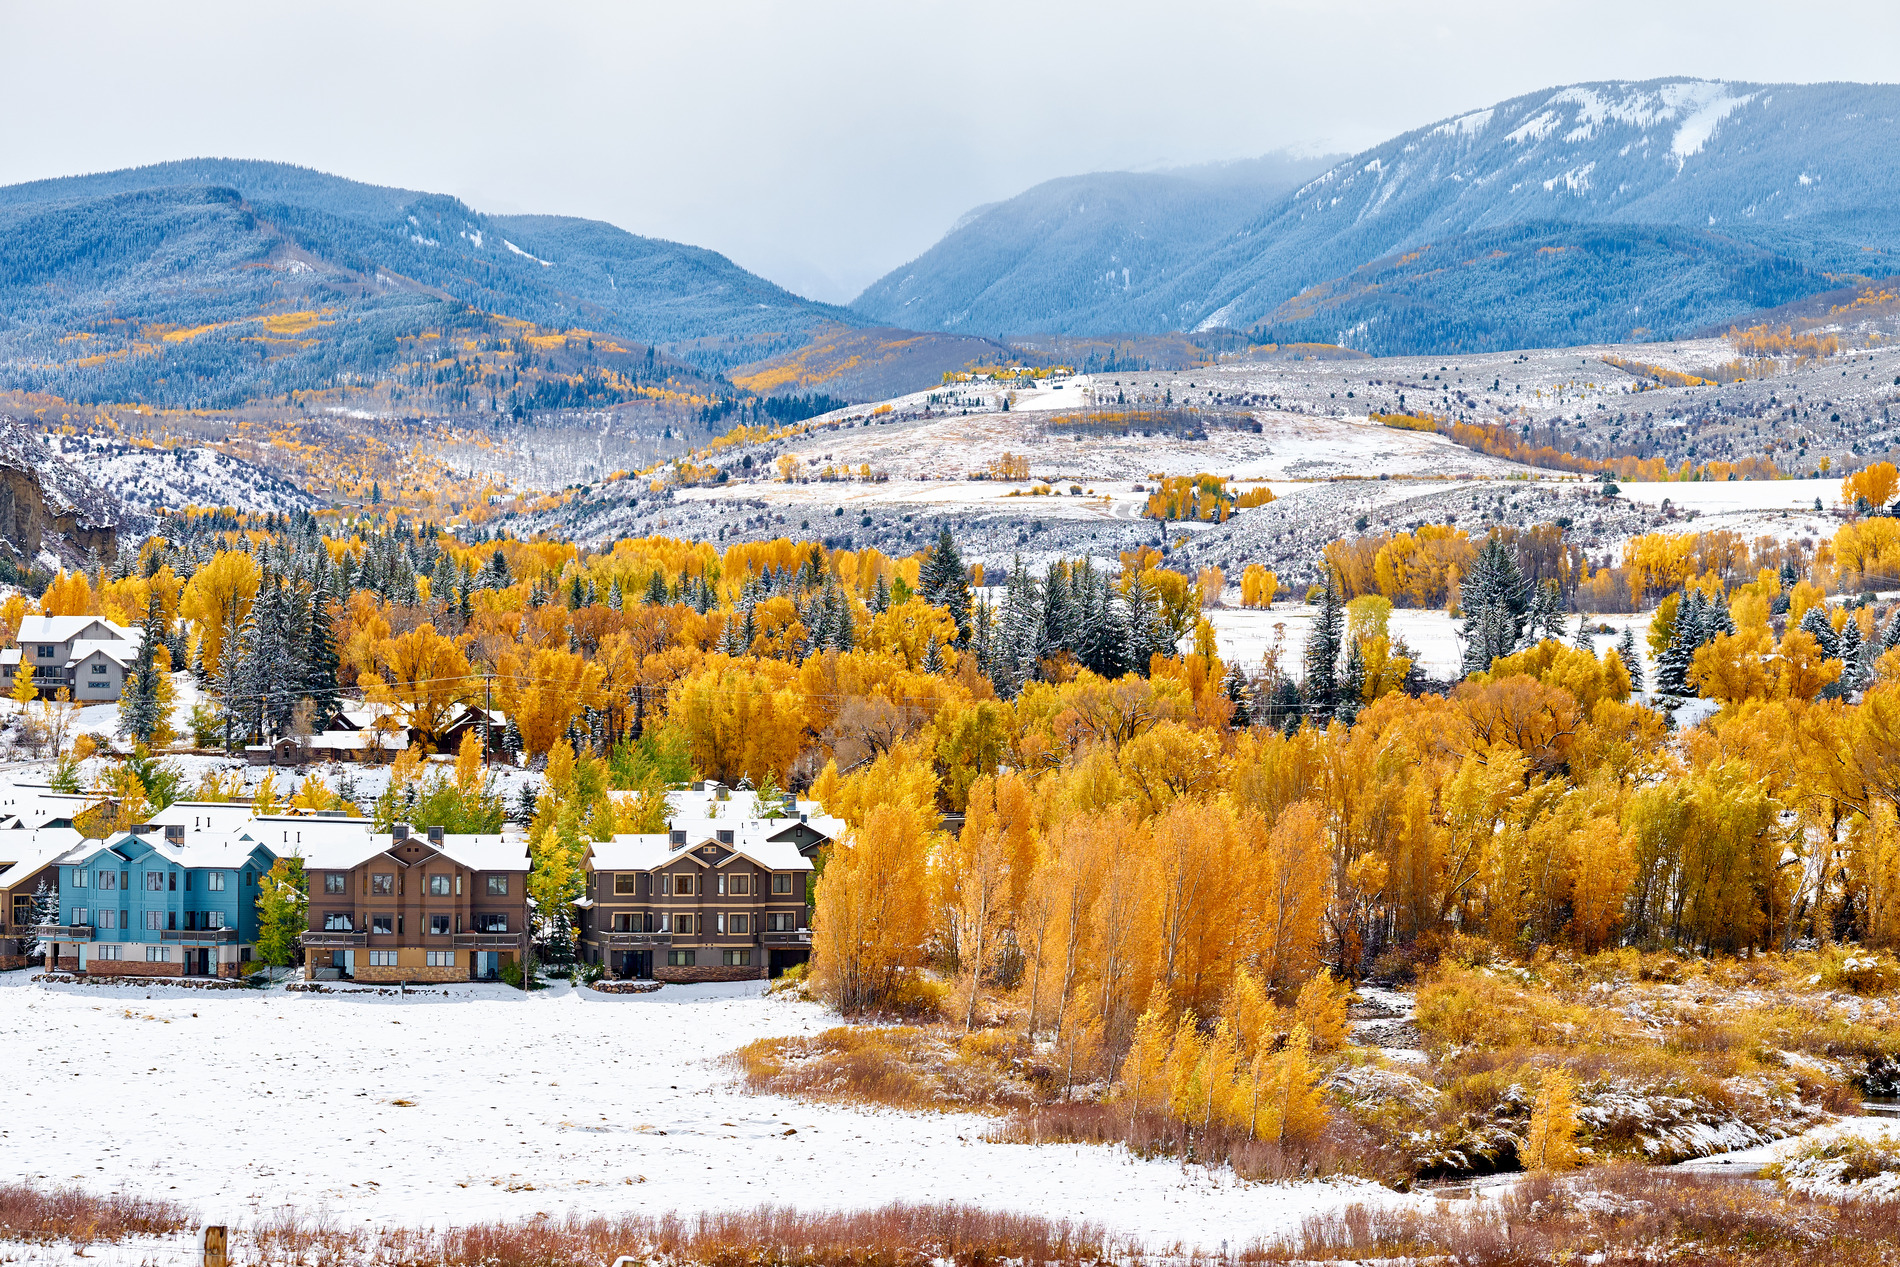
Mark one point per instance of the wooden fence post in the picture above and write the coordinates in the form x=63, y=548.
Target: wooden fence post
x=215, y=1243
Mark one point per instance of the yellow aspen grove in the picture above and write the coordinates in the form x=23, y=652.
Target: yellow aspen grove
x=1551, y=1141
x=1295, y=873
x=425, y=676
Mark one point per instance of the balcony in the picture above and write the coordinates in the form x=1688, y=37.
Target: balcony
x=333, y=939
x=199, y=936
x=60, y=932
x=796, y=937
x=624, y=939
x=487, y=941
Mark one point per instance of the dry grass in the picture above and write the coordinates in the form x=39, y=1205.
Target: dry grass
x=1615, y=1215
x=908, y=1067
x=68, y=1214
x=893, y=1236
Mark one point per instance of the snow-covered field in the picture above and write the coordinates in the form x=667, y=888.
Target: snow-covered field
x=481, y=1102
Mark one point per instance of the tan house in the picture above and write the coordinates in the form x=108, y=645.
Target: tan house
x=88, y=655
x=29, y=867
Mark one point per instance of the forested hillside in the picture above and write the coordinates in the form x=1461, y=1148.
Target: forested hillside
x=1669, y=205
x=1075, y=255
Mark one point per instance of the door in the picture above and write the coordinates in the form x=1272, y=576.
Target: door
x=348, y=964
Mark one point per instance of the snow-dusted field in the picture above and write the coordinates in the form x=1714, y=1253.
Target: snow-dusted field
x=484, y=1103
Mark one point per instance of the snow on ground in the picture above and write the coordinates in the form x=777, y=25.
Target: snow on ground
x=1247, y=636
x=1749, y=1160
x=479, y=1102
x=152, y=479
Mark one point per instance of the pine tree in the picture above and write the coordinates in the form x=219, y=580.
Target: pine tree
x=942, y=584
x=320, y=661
x=45, y=915
x=1322, y=650
x=1352, y=691
x=1585, y=639
x=139, y=704
x=1815, y=621
x=1672, y=666
x=933, y=656
x=656, y=589
x=881, y=599
x=1853, y=666
x=1495, y=599
x=1626, y=651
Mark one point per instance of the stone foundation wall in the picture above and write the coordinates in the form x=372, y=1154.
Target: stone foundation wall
x=68, y=963
x=132, y=968
x=710, y=972
x=10, y=962
x=401, y=973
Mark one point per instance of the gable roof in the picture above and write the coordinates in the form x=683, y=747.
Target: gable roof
x=25, y=854
x=66, y=628
x=649, y=851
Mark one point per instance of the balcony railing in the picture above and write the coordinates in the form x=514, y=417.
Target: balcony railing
x=487, y=941
x=61, y=932
x=199, y=936
x=625, y=938
x=333, y=938
x=796, y=937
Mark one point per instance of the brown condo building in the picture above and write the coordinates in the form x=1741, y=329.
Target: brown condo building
x=410, y=906
x=722, y=901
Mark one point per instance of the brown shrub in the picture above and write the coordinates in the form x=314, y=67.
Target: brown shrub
x=910, y=1067
x=68, y=1214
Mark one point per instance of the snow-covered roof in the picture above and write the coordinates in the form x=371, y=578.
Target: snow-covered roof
x=196, y=816
x=66, y=628
x=121, y=653
x=23, y=854
x=646, y=852
x=485, y=852
x=37, y=804
x=324, y=843
x=214, y=851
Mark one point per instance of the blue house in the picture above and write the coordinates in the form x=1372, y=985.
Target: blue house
x=148, y=902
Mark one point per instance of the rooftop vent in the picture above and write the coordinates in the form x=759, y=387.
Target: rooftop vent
x=435, y=836
x=175, y=834
x=398, y=833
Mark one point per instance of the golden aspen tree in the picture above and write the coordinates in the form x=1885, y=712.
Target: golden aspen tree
x=1142, y=1082
x=1551, y=1141
x=1321, y=1011
x=1294, y=874
x=216, y=601
x=425, y=677
x=1258, y=586
x=1297, y=1107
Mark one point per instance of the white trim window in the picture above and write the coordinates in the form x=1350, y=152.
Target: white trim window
x=158, y=954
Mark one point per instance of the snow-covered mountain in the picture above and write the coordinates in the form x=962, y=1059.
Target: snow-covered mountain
x=150, y=480
x=1757, y=190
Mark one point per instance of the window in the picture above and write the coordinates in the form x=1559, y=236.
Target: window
x=679, y=837
x=491, y=923
x=108, y=919
x=741, y=923
x=335, y=882
x=81, y=877
x=683, y=925
x=214, y=919
x=109, y=952
x=382, y=958
x=157, y=954
x=719, y=923
x=214, y=881
x=108, y=879
x=438, y=886
x=44, y=652
x=382, y=924
x=785, y=923
x=382, y=886
x=738, y=958
x=680, y=958
x=781, y=882
x=623, y=923
x=741, y=884
x=683, y=884
x=724, y=835
x=337, y=922
x=441, y=958
x=154, y=920
x=497, y=886
x=172, y=877
x=154, y=881
x=623, y=884
x=438, y=926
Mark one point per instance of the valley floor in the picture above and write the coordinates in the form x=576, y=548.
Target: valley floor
x=482, y=1103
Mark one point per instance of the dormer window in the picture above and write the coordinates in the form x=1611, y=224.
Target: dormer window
x=725, y=837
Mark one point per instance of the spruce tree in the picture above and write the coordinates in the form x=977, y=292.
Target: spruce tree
x=942, y=584
x=1626, y=651
x=1321, y=660
x=1815, y=621
x=139, y=706
x=1496, y=601
x=1353, y=690
x=656, y=589
x=1585, y=639
x=1672, y=666
x=320, y=661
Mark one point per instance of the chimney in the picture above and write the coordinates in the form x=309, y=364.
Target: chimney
x=435, y=837
x=175, y=834
x=398, y=833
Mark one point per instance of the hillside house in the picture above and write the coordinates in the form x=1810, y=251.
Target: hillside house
x=158, y=901
x=88, y=655
x=402, y=907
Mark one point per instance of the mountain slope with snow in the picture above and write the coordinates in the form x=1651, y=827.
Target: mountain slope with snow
x=147, y=479
x=1763, y=189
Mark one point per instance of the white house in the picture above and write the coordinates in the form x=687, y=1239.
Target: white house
x=88, y=655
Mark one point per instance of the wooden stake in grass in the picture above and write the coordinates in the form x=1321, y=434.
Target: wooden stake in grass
x=1551, y=1143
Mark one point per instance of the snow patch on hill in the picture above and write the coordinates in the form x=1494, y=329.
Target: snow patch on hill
x=171, y=479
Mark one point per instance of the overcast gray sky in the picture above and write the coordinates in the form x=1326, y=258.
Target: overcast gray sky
x=823, y=144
